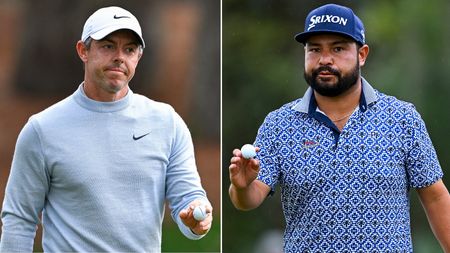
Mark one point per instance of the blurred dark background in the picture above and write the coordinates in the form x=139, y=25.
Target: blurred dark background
x=263, y=69
x=180, y=66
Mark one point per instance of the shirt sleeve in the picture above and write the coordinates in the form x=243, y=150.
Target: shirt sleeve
x=183, y=183
x=269, y=172
x=422, y=166
x=25, y=193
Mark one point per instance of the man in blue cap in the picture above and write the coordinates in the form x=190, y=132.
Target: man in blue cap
x=344, y=155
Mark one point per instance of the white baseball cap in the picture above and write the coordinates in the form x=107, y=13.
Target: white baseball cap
x=109, y=19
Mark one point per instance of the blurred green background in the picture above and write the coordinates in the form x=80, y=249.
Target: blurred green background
x=263, y=69
x=174, y=241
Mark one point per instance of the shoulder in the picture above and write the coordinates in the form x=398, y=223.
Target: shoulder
x=284, y=111
x=157, y=112
x=55, y=112
x=392, y=104
x=148, y=105
x=390, y=99
x=402, y=112
x=281, y=117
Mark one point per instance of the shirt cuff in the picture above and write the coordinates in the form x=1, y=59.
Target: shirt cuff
x=187, y=231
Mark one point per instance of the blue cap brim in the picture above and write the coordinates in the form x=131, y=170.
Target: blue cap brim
x=303, y=36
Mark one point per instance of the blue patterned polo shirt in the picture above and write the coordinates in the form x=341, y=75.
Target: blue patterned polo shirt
x=347, y=191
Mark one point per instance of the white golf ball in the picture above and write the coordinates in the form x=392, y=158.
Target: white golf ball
x=248, y=151
x=200, y=213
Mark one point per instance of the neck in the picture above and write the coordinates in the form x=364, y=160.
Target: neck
x=102, y=95
x=336, y=107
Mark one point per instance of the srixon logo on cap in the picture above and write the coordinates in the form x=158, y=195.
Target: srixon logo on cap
x=326, y=19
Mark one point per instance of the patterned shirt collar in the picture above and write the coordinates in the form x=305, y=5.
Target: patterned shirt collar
x=368, y=97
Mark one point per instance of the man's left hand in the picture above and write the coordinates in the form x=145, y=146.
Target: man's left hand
x=198, y=227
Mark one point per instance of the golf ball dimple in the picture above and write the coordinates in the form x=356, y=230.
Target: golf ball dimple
x=248, y=151
x=199, y=213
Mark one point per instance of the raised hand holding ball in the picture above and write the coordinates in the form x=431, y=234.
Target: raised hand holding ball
x=248, y=151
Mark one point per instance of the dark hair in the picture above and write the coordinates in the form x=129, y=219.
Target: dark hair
x=87, y=43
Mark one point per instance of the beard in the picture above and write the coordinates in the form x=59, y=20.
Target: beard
x=343, y=84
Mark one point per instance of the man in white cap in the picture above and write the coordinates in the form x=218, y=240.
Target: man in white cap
x=100, y=164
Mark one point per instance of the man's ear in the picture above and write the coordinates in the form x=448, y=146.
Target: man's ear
x=82, y=50
x=362, y=54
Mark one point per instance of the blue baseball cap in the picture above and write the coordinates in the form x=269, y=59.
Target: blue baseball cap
x=333, y=18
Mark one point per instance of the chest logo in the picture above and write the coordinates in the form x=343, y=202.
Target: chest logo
x=139, y=136
x=309, y=143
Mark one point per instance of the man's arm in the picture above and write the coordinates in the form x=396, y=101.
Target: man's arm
x=25, y=193
x=183, y=184
x=246, y=193
x=436, y=202
x=250, y=197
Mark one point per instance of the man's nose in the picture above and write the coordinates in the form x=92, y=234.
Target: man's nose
x=325, y=58
x=119, y=56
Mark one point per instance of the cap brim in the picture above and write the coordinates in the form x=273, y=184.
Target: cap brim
x=303, y=36
x=104, y=32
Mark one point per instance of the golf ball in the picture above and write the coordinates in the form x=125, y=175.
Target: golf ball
x=199, y=213
x=248, y=151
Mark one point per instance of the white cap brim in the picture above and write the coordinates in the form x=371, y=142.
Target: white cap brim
x=108, y=30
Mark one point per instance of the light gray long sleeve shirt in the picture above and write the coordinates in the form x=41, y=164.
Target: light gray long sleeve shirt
x=100, y=173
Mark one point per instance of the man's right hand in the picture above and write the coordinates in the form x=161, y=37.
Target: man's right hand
x=243, y=171
x=246, y=193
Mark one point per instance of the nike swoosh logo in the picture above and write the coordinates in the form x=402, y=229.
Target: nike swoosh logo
x=118, y=17
x=140, y=136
